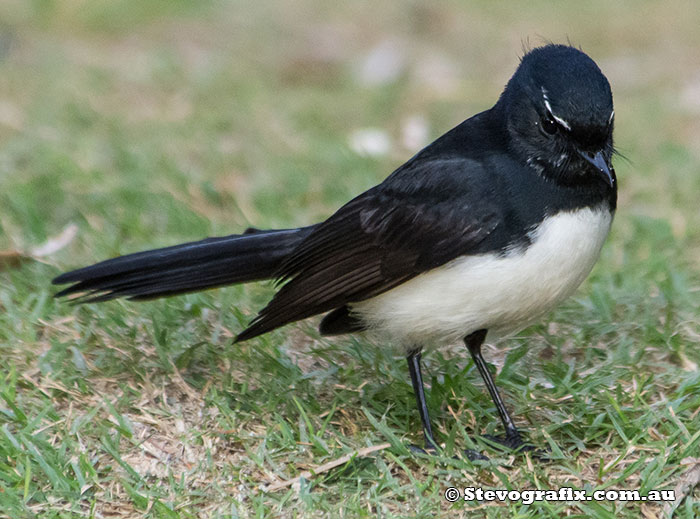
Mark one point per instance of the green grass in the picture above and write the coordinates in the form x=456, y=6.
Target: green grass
x=151, y=123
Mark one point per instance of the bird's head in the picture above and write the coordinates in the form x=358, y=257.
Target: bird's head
x=560, y=116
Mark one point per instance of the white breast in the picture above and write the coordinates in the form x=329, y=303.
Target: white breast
x=500, y=293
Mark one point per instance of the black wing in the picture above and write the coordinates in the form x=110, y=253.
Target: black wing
x=422, y=216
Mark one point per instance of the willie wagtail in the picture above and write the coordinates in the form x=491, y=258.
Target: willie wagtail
x=480, y=233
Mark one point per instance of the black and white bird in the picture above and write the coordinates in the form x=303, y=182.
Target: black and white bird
x=478, y=235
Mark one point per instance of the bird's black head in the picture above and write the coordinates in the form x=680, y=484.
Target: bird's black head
x=559, y=111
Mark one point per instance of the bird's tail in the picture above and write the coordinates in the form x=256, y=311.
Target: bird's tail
x=209, y=263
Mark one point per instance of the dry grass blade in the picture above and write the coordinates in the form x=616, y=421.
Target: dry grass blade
x=294, y=482
x=12, y=259
x=56, y=243
x=688, y=481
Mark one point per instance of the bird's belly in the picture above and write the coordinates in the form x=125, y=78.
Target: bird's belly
x=502, y=293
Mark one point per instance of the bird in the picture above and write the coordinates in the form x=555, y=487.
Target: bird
x=475, y=237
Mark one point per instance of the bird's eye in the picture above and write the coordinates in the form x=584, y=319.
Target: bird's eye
x=549, y=126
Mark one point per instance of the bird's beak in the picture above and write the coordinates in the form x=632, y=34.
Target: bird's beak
x=600, y=164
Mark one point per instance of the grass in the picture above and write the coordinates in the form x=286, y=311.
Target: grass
x=150, y=123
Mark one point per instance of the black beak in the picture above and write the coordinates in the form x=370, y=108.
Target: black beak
x=600, y=164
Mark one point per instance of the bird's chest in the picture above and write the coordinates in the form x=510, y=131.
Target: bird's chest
x=499, y=292
x=525, y=283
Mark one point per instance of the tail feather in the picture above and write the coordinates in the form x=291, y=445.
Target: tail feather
x=188, y=267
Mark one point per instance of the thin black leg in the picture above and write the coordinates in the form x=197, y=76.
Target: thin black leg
x=417, y=381
x=474, y=342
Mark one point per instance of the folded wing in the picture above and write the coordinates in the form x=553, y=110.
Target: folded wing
x=422, y=216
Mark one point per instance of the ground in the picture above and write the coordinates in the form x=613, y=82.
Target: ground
x=130, y=125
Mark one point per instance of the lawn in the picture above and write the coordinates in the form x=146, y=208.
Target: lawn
x=136, y=124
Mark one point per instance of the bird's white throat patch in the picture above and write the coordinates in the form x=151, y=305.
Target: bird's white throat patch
x=502, y=293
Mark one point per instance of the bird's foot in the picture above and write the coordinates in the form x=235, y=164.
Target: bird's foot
x=473, y=455
x=430, y=450
x=506, y=442
x=514, y=442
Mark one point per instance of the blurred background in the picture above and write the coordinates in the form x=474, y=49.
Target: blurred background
x=272, y=113
x=131, y=124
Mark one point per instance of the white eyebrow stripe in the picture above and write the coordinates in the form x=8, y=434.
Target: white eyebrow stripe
x=557, y=119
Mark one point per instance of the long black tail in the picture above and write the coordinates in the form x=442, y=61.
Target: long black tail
x=188, y=267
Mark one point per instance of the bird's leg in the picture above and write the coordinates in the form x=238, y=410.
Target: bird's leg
x=413, y=359
x=417, y=380
x=512, y=437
